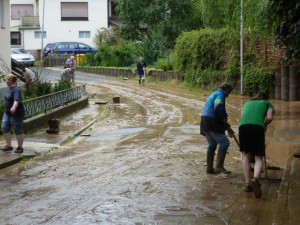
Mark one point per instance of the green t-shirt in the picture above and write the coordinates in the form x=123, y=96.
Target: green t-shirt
x=255, y=111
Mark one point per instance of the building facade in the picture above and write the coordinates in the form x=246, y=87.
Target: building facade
x=4, y=36
x=67, y=20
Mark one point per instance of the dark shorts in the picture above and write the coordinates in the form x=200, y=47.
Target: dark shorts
x=252, y=139
x=9, y=121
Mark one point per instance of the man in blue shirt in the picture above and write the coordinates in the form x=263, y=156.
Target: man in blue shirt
x=213, y=126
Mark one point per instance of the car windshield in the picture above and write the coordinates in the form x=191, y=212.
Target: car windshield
x=47, y=46
x=18, y=51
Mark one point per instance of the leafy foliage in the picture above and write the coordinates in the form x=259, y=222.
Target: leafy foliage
x=121, y=55
x=153, y=46
x=61, y=85
x=227, y=13
x=287, y=31
x=198, y=53
x=108, y=36
x=256, y=79
x=168, y=15
x=40, y=87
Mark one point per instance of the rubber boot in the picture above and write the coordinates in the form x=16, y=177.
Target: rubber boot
x=143, y=82
x=210, y=162
x=140, y=82
x=220, y=162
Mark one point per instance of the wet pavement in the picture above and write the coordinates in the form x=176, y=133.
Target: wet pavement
x=143, y=162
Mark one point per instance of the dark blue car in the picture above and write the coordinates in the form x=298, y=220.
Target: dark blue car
x=68, y=47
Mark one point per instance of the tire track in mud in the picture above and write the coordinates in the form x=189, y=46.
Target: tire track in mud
x=158, y=111
x=138, y=152
x=123, y=176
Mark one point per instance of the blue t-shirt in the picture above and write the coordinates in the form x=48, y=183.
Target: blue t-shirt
x=13, y=94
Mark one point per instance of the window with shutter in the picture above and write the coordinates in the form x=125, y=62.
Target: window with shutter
x=71, y=11
x=19, y=10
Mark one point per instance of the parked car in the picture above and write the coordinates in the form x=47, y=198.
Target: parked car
x=68, y=47
x=48, y=48
x=23, y=57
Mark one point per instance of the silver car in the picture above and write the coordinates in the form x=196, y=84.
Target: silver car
x=22, y=56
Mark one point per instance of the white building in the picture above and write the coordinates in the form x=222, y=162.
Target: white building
x=64, y=20
x=4, y=35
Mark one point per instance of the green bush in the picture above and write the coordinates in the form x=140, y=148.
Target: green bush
x=61, y=85
x=167, y=63
x=198, y=53
x=40, y=87
x=37, y=89
x=122, y=55
x=256, y=79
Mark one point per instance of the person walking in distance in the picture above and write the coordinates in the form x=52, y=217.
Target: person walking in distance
x=213, y=126
x=13, y=115
x=141, y=69
x=257, y=115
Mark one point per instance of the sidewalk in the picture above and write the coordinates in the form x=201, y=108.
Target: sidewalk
x=41, y=142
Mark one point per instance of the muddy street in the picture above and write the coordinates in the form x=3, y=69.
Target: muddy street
x=143, y=162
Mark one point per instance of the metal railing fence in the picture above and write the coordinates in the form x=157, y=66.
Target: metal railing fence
x=50, y=101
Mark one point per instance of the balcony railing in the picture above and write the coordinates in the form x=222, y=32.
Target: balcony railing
x=30, y=22
x=50, y=101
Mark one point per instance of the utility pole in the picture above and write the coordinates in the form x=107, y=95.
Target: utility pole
x=242, y=25
x=42, y=33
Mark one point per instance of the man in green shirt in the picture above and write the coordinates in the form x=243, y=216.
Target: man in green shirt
x=257, y=115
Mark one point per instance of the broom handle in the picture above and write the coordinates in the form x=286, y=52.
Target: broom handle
x=236, y=140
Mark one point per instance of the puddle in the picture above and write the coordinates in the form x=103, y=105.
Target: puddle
x=37, y=192
x=116, y=134
x=14, y=178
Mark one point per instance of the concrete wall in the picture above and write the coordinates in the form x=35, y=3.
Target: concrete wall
x=4, y=37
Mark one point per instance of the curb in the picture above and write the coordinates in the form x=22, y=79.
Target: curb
x=76, y=133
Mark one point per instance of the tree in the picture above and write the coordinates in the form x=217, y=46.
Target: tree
x=169, y=16
x=109, y=36
x=287, y=32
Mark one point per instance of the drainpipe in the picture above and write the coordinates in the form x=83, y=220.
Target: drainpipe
x=108, y=13
x=42, y=33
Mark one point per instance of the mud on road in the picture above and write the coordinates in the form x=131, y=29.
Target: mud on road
x=143, y=163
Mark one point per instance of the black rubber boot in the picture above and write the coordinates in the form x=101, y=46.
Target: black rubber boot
x=210, y=162
x=140, y=82
x=220, y=162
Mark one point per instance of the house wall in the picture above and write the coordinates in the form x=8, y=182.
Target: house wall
x=5, y=36
x=15, y=24
x=57, y=30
